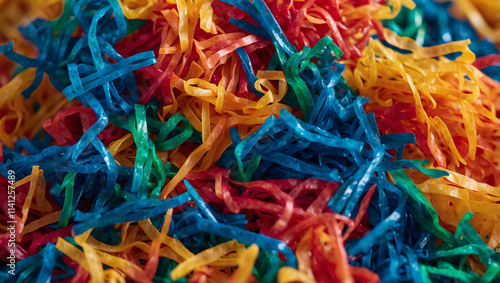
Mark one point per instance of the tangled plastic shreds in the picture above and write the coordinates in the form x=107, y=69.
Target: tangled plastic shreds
x=19, y=13
x=445, y=103
x=452, y=113
x=200, y=75
x=113, y=128
x=349, y=23
x=432, y=23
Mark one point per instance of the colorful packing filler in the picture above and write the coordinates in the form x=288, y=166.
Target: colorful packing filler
x=432, y=23
x=251, y=141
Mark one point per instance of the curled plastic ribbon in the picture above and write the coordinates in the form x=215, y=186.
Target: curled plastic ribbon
x=449, y=131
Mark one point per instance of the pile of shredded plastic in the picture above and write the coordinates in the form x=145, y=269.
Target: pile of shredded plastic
x=249, y=141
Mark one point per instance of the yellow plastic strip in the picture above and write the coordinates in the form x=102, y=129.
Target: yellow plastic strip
x=42, y=222
x=205, y=257
x=206, y=12
x=288, y=274
x=490, y=9
x=246, y=263
x=33, y=179
x=182, y=7
x=94, y=264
